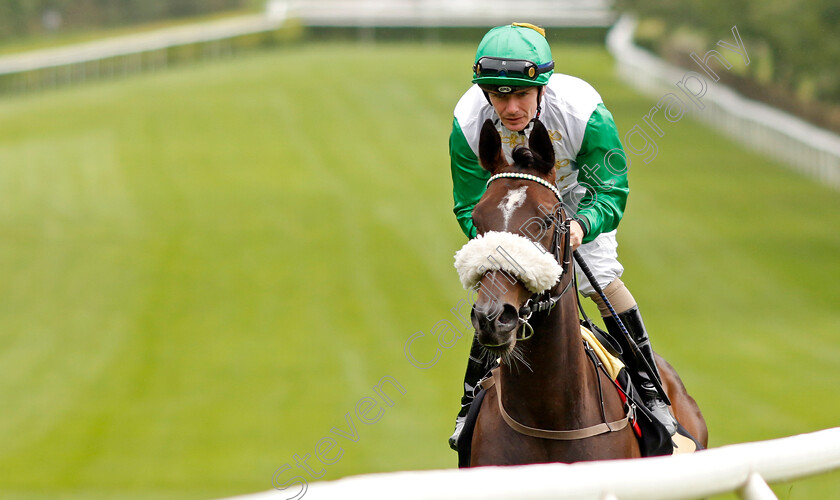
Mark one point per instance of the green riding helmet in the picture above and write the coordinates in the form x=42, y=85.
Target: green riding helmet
x=515, y=55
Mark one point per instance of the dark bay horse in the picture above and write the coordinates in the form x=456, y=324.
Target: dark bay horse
x=547, y=381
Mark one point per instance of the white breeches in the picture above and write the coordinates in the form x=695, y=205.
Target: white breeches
x=601, y=255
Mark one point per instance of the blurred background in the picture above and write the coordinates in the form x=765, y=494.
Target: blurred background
x=222, y=220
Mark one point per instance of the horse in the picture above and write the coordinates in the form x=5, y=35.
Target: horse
x=526, y=314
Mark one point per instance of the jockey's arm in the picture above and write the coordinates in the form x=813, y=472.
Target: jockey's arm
x=602, y=166
x=469, y=180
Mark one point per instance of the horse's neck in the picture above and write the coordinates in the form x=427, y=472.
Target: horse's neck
x=560, y=373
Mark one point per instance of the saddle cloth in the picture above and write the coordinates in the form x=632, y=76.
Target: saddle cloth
x=611, y=363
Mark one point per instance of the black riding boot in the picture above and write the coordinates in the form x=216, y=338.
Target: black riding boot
x=476, y=369
x=640, y=377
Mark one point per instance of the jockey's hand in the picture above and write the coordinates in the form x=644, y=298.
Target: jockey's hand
x=577, y=234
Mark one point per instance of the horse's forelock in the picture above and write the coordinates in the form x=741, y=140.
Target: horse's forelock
x=525, y=158
x=522, y=157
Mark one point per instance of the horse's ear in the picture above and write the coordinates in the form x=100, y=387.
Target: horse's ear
x=540, y=144
x=490, y=153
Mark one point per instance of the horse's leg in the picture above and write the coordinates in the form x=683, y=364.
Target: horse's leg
x=684, y=407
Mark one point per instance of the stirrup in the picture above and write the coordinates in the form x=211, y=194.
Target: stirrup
x=658, y=408
x=459, y=427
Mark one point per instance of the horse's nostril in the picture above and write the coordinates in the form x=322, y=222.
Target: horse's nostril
x=478, y=319
x=508, y=319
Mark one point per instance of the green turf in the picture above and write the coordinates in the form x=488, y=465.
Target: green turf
x=204, y=270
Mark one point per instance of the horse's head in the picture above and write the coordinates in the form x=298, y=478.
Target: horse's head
x=517, y=219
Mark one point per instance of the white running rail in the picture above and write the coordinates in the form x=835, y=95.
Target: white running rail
x=809, y=149
x=448, y=13
x=742, y=468
x=129, y=54
x=138, y=43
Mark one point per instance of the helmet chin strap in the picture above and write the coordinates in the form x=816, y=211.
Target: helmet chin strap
x=540, y=92
x=539, y=109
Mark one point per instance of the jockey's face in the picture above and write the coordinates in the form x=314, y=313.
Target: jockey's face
x=515, y=109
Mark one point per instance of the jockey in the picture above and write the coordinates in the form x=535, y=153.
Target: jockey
x=514, y=84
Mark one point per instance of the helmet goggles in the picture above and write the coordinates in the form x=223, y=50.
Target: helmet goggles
x=510, y=68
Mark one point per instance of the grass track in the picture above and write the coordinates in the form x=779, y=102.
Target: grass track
x=205, y=269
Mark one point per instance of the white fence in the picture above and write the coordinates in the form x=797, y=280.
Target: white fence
x=779, y=135
x=448, y=13
x=143, y=42
x=742, y=468
x=131, y=54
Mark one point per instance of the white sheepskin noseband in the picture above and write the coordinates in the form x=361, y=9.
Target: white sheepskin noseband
x=513, y=253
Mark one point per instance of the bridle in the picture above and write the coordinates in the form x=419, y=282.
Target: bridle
x=545, y=301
